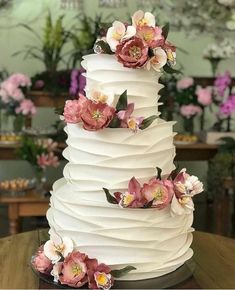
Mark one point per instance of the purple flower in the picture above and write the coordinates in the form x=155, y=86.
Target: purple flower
x=39, y=84
x=82, y=81
x=78, y=82
x=222, y=82
x=228, y=107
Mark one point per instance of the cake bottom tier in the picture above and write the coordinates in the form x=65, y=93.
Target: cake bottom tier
x=151, y=240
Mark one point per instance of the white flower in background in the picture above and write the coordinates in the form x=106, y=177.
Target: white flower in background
x=58, y=247
x=143, y=19
x=223, y=50
x=117, y=33
x=182, y=206
x=158, y=60
x=228, y=3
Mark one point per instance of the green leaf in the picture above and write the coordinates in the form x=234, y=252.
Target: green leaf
x=149, y=204
x=104, y=46
x=110, y=198
x=165, y=30
x=122, y=272
x=147, y=122
x=170, y=70
x=159, y=173
x=115, y=123
x=122, y=102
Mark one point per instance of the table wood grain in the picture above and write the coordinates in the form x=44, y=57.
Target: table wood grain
x=214, y=257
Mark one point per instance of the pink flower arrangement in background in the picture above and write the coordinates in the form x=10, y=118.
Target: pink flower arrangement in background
x=26, y=108
x=189, y=111
x=222, y=83
x=140, y=45
x=227, y=108
x=47, y=160
x=159, y=193
x=20, y=80
x=185, y=83
x=204, y=96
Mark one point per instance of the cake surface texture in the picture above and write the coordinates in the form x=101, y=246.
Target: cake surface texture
x=154, y=241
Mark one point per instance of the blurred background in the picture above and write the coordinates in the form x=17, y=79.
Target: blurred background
x=41, y=46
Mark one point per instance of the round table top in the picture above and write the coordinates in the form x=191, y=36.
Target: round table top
x=214, y=257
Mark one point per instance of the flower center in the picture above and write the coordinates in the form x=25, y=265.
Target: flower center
x=116, y=35
x=184, y=200
x=96, y=115
x=158, y=195
x=154, y=60
x=143, y=22
x=135, y=52
x=76, y=270
x=148, y=36
x=101, y=279
x=127, y=199
x=60, y=248
x=132, y=124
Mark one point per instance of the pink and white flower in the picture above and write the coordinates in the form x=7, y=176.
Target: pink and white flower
x=133, y=197
x=102, y=96
x=26, y=108
x=181, y=206
x=158, y=191
x=41, y=262
x=127, y=120
x=184, y=83
x=58, y=247
x=73, y=109
x=151, y=35
x=185, y=184
x=140, y=18
x=56, y=271
x=74, y=270
x=97, y=116
x=99, y=276
x=189, y=111
x=158, y=60
x=46, y=160
x=117, y=33
x=204, y=95
x=132, y=53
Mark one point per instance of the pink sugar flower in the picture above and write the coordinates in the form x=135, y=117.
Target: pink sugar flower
x=74, y=270
x=128, y=121
x=41, y=263
x=158, y=191
x=20, y=80
x=189, y=111
x=133, y=197
x=26, y=107
x=151, y=35
x=184, y=83
x=132, y=53
x=73, y=109
x=99, y=276
x=97, y=116
x=204, y=96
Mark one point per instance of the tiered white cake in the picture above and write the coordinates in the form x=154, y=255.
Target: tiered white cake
x=149, y=239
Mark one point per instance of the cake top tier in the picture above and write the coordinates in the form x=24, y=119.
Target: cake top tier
x=142, y=44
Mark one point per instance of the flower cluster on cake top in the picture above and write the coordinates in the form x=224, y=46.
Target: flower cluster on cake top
x=139, y=45
x=98, y=112
x=58, y=258
x=160, y=193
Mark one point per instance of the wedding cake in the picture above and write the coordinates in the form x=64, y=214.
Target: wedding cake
x=118, y=201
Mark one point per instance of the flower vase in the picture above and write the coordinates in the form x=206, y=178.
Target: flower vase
x=40, y=180
x=18, y=123
x=214, y=65
x=189, y=125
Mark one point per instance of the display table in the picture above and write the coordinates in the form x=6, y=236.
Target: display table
x=214, y=258
x=30, y=204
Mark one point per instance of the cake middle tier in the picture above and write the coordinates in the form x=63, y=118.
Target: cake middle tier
x=111, y=157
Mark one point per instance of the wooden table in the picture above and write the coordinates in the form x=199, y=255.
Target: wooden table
x=31, y=204
x=214, y=257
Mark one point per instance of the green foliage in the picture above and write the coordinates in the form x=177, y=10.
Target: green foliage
x=165, y=30
x=29, y=150
x=122, y=102
x=228, y=145
x=109, y=197
x=147, y=122
x=122, y=272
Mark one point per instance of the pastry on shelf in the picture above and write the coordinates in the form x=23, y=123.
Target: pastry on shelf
x=185, y=139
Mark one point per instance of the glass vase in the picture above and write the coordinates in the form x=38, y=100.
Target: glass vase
x=18, y=123
x=214, y=65
x=40, y=180
x=188, y=125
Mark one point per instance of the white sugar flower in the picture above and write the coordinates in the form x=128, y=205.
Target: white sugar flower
x=143, y=19
x=56, y=270
x=58, y=247
x=158, y=60
x=101, y=95
x=182, y=206
x=117, y=33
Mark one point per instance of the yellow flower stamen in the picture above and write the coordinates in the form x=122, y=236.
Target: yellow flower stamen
x=116, y=35
x=143, y=22
x=60, y=248
x=158, y=194
x=101, y=279
x=77, y=270
x=135, y=52
x=184, y=200
x=127, y=199
x=132, y=124
x=96, y=115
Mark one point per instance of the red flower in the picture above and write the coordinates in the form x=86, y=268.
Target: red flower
x=73, y=109
x=158, y=191
x=132, y=53
x=98, y=275
x=97, y=116
x=41, y=263
x=74, y=270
